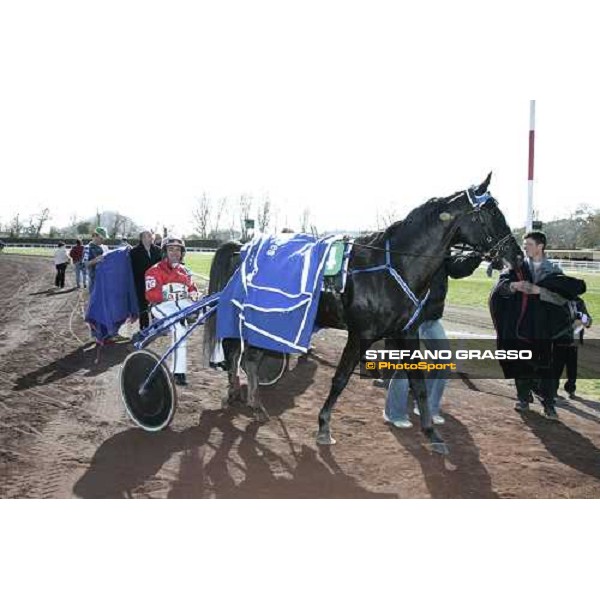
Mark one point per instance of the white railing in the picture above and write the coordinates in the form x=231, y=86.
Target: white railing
x=111, y=247
x=581, y=266
x=578, y=266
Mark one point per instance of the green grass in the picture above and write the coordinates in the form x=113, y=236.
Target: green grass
x=588, y=388
x=475, y=290
x=199, y=262
x=30, y=251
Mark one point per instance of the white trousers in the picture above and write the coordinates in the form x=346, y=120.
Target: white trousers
x=164, y=309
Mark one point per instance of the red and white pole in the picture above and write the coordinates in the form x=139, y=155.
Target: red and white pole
x=529, y=222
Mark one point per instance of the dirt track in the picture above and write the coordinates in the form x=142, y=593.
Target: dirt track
x=64, y=433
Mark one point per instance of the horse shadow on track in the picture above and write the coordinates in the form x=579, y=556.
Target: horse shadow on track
x=459, y=475
x=565, y=444
x=132, y=458
x=80, y=359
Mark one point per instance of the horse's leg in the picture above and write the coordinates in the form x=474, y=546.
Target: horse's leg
x=252, y=360
x=348, y=362
x=232, y=349
x=417, y=384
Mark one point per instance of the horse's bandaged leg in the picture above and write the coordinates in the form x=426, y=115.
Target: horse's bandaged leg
x=218, y=355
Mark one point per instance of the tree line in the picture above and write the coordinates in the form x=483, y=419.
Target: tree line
x=227, y=218
x=580, y=230
x=116, y=224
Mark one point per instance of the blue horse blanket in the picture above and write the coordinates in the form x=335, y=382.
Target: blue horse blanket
x=272, y=299
x=113, y=298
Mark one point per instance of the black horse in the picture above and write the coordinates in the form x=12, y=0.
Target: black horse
x=375, y=304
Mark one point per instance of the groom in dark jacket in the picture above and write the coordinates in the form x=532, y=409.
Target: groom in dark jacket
x=530, y=309
x=143, y=256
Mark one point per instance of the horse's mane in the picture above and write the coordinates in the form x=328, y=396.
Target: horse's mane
x=418, y=218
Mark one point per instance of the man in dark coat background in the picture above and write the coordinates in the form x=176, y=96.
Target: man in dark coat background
x=143, y=256
x=530, y=309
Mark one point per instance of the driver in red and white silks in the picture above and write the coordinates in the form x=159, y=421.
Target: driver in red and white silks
x=169, y=288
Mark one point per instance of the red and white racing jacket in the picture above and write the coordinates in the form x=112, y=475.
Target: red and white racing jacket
x=164, y=282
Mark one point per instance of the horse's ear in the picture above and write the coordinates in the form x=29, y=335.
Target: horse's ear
x=483, y=188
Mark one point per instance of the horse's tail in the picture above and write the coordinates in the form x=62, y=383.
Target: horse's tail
x=224, y=264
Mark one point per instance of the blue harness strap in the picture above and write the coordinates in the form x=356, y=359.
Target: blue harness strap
x=405, y=288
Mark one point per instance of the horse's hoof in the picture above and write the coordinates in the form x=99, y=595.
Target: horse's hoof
x=261, y=416
x=235, y=398
x=325, y=439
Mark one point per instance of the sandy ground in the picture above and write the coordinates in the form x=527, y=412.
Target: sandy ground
x=64, y=432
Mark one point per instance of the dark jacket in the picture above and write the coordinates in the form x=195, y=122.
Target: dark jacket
x=532, y=317
x=141, y=261
x=457, y=266
x=579, y=311
x=534, y=321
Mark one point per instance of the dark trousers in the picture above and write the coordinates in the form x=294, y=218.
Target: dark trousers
x=545, y=382
x=144, y=318
x=59, y=280
x=144, y=314
x=571, y=364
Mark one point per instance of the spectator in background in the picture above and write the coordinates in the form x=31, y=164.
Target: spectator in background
x=61, y=262
x=158, y=240
x=581, y=321
x=143, y=256
x=76, y=254
x=124, y=243
x=94, y=253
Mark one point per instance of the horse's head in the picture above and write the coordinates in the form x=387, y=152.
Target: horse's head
x=479, y=222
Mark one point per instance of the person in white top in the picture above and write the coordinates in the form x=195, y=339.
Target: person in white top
x=61, y=262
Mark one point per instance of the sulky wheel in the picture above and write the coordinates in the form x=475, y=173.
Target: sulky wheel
x=153, y=407
x=272, y=367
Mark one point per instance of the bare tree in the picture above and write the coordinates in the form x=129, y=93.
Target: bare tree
x=83, y=228
x=15, y=227
x=117, y=225
x=201, y=215
x=264, y=214
x=245, y=206
x=219, y=209
x=305, y=222
x=36, y=222
x=385, y=217
x=233, y=221
x=73, y=220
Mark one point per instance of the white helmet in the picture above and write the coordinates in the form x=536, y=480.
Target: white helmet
x=173, y=241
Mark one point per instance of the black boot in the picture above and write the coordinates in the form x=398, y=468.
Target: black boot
x=180, y=379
